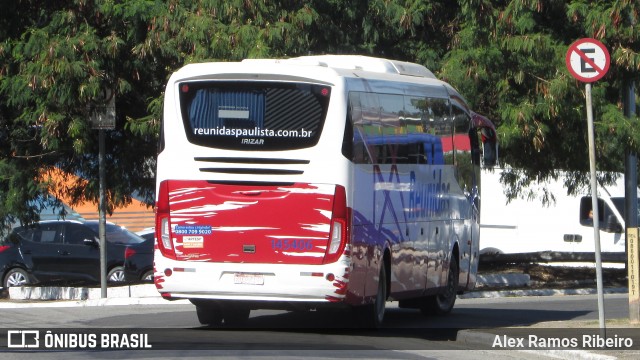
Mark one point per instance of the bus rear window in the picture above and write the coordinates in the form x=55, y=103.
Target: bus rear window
x=253, y=116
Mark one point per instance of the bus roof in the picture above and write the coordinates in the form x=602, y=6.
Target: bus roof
x=357, y=62
x=343, y=65
x=321, y=68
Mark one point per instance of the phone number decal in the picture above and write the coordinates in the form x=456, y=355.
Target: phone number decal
x=192, y=230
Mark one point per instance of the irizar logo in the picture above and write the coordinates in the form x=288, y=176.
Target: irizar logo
x=252, y=142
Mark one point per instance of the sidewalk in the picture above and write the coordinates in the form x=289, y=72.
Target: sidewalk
x=56, y=296
x=488, y=286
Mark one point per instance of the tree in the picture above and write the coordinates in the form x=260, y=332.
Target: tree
x=57, y=60
x=508, y=59
x=505, y=56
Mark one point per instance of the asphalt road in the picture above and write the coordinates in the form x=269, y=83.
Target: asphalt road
x=322, y=335
x=467, y=314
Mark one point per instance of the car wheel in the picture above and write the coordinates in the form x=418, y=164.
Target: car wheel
x=16, y=277
x=116, y=274
x=147, y=276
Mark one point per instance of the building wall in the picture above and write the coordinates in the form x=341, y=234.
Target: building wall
x=135, y=217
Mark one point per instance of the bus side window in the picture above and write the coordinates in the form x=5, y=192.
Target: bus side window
x=416, y=153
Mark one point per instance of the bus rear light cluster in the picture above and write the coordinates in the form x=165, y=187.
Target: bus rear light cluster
x=163, y=229
x=337, y=234
x=340, y=224
x=165, y=235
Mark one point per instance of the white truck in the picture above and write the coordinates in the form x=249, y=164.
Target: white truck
x=563, y=225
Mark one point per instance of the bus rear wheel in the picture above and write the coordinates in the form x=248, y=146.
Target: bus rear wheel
x=208, y=315
x=443, y=302
x=372, y=315
x=211, y=313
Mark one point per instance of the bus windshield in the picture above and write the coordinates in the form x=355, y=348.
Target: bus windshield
x=253, y=115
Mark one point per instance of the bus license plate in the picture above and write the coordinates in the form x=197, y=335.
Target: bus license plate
x=248, y=279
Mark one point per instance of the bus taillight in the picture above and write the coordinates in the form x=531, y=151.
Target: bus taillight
x=340, y=225
x=163, y=229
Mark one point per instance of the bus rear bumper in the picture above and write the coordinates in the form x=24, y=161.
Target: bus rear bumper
x=256, y=283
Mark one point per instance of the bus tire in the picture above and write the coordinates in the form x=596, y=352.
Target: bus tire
x=372, y=315
x=208, y=315
x=236, y=316
x=443, y=302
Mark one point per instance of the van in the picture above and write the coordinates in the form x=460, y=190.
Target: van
x=563, y=224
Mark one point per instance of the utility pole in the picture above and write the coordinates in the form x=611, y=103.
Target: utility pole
x=102, y=211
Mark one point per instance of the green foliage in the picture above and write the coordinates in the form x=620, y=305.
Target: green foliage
x=505, y=56
x=509, y=63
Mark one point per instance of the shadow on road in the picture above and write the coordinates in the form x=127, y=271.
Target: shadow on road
x=404, y=329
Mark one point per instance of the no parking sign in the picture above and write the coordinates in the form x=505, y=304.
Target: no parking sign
x=588, y=60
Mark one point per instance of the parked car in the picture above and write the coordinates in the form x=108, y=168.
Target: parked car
x=62, y=251
x=138, y=259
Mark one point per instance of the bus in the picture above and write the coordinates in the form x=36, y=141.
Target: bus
x=332, y=181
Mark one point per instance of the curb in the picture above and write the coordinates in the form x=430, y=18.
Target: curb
x=80, y=293
x=503, y=280
x=149, y=290
x=497, y=285
x=147, y=294
x=538, y=292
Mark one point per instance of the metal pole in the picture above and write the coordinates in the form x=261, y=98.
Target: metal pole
x=103, y=218
x=631, y=163
x=594, y=204
x=631, y=210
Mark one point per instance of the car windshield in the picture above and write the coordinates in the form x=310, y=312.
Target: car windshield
x=619, y=203
x=116, y=234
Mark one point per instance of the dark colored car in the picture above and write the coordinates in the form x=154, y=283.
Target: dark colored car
x=62, y=251
x=138, y=259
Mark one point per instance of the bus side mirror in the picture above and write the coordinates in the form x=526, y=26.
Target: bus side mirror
x=489, y=147
x=489, y=154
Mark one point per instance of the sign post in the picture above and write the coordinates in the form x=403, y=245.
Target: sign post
x=103, y=117
x=588, y=61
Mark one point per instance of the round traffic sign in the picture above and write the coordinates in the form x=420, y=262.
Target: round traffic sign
x=587, y=60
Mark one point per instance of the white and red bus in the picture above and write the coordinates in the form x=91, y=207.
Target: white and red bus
x=319, y=181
